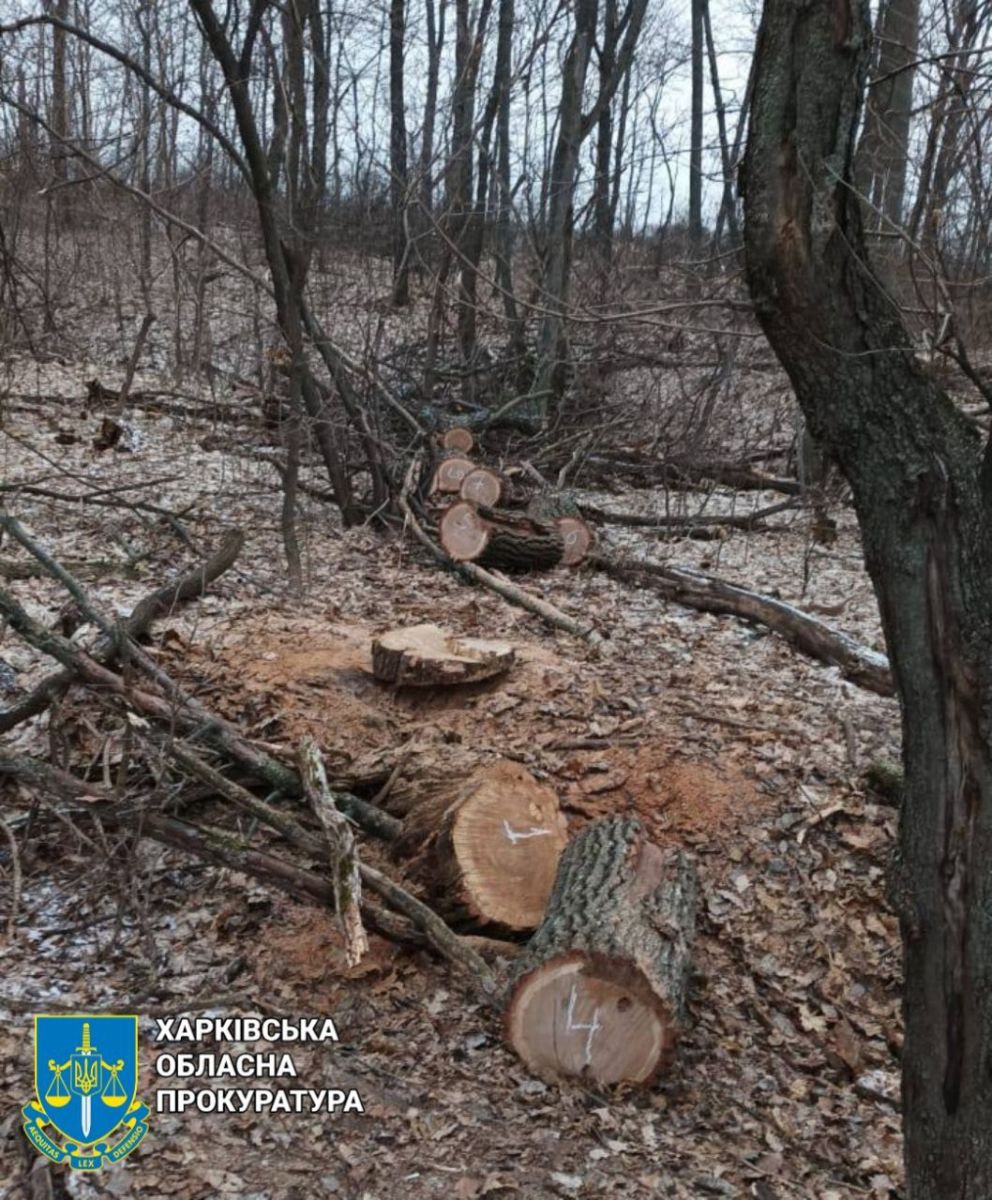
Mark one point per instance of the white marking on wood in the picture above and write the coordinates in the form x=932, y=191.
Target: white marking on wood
x=593, y=1029
x=514, y=836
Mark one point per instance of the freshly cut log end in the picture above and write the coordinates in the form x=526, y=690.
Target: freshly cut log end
x=578, y=539
x=464, y=534
x=494, y=845
x=459, y=439
x=482, y=486
x=450, y=473
x=600, y=990
x=427, y=656
x=568, y=1020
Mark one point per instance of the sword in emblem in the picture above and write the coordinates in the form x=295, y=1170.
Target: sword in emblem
x=86, y=1081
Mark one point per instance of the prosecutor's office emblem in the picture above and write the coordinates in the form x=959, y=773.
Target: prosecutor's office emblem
x=85, y=1111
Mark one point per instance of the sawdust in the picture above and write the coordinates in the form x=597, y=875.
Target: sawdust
x=680, y=799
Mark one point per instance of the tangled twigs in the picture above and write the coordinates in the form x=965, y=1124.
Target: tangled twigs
x=162, y=601
x=469, y=570
x=226, y=850
x=50, y=783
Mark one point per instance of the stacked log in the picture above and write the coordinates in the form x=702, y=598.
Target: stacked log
x=506, y=541
x=450, y=473
x=482, y=486
x=458, y=438
x=600, y=990
x=473, y=529
x=560, y=509
x=488, y=848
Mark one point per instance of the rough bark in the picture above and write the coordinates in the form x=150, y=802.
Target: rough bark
x=489, y=847
x=922, y=488
x=342, y=851
x=600, y=991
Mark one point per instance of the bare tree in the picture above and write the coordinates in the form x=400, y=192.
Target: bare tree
x=922, y=485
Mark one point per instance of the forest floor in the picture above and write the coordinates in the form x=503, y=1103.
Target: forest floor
x=716, y=733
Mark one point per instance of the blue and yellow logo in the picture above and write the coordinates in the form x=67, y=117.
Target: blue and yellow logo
x=85, y=1111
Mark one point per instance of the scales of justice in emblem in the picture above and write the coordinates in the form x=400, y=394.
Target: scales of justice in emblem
x=86, y=1075
x=85, y=1110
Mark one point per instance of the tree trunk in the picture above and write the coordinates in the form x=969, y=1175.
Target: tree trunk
x=600, y=990
x=922, y=490
x=397, y=156
x=883, y=153
x=696, y=131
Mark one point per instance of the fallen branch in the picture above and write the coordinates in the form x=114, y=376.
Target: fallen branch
x=208, y=844
x=161, y=602
x=750, y=521
x=223, y=848
x=346, y=879
x=857, y=663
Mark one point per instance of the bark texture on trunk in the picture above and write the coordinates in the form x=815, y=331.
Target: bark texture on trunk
x=600, y=990
x=922, y=488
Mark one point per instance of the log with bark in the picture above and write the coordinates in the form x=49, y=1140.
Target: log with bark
x=427, y=656
x=560, y=510
x=507, y=541
x=600, y=991
x=488, y=847
x=502, y=587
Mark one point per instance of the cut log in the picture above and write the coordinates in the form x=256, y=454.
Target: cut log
x=459, y=439
x=519, y=544
x=463, y=533
x=600, y=990
x=578, y=539
x=494, y=538
x=482, y=486
x=425, y=656
x=450, y=473
x=489, y=848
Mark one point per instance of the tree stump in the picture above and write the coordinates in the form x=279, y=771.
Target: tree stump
x=489, y=847
x=450, y=473
x=425, y=656
x=600, y=990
